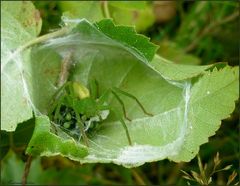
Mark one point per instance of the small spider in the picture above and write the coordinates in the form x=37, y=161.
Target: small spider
x=75, y=104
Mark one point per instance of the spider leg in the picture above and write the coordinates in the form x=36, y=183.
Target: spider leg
x=105, y=96
x=106, y=107
x=57, y=110
x=81, y=126
x=134, y=98
x=123, y=124
x=55, y=106
x=94, y=88
x=55, y=98
x=122, y=104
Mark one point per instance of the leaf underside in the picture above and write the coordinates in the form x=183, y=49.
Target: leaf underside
x=184, y=101
x=20, y=22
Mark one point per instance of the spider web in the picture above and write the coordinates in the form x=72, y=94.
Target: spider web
x=16, y=102
x=171, y=125
x=87, y=53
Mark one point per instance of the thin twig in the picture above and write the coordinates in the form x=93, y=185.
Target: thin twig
x=26, y=170
x=208, y=29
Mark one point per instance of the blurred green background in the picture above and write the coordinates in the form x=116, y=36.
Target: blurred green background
x=188, y=32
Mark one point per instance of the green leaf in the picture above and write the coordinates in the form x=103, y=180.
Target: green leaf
x=46, y=143
x=24, y=16
x=177, y=72
x=11, y=169
x=211, y=100
x=17, y=140
x=20, y=23
x=45, y=65
x=49, y=170
x=129, y=37
x=129, y=5
x=138, y=14
x=23, y=133
x=184, y=99
x=90, y=10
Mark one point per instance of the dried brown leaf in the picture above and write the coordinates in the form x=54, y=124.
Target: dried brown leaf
x=231, y=177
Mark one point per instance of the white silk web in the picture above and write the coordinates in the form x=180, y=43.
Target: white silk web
x=96, y=55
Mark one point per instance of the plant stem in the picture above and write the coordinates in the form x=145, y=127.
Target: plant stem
x=45, y=37
x=137, y=177
x=106, y=9
x=38, y=40
x=202, y=173
x=26, y=170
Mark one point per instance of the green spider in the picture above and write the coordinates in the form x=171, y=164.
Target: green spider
x=75, y=105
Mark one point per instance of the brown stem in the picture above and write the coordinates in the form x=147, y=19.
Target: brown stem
x=26, y=170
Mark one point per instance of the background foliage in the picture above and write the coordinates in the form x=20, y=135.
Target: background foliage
x=187, y=33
